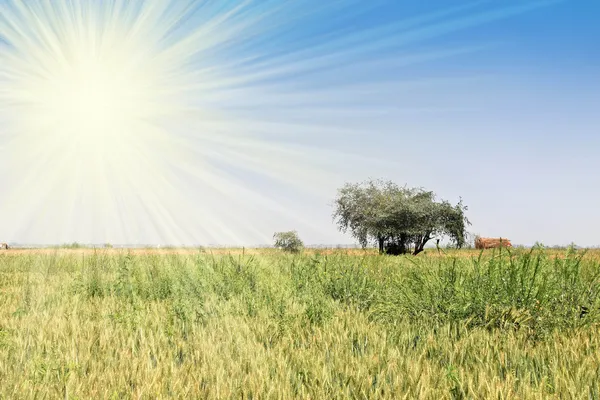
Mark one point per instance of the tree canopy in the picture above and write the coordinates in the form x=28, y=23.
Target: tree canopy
x=398, y=219
x=288, y=241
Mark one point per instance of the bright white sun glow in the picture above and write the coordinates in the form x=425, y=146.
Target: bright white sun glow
x=125, y=123
x=89, y=99
x=193, y=121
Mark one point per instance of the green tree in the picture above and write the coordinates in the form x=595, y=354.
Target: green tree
x=397, y=219
x=288, y=241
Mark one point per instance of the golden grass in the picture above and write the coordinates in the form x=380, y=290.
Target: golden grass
x=194, y=326
x=429, y=252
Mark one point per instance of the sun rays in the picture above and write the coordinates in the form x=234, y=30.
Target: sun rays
x=188, y=122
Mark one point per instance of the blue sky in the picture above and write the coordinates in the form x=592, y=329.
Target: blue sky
x=492, y=101
x=523, y=149
x=524, y=158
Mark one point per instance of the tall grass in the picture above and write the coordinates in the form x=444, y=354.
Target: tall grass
x=519, y=324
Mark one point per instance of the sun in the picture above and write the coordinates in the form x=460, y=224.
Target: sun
x=92, y=96
x=87, y=99
x=124, y=124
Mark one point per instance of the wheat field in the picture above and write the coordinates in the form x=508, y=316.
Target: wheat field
x=119, y=324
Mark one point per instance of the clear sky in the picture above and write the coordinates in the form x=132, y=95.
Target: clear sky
x=221, y=122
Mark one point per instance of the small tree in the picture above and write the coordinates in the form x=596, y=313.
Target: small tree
x=399, y=220
x=288, y=241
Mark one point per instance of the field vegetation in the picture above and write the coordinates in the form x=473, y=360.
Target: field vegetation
x=458, y=324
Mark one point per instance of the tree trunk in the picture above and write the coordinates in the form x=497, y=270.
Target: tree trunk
x=420, y=243
x=403, y=247
x=381, y=242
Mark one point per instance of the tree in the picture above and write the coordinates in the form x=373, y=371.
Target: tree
x=288, y=241
x=397, y=219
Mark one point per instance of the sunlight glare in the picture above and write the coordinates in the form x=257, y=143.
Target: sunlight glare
x=188, y=122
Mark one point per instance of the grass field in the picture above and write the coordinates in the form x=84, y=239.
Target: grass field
x=325, y=324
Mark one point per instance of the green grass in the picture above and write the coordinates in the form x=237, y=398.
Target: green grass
x=116, y=325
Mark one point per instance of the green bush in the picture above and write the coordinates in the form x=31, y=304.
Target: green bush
x=288, y=241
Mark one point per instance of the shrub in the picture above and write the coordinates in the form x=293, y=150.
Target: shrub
x=288, y=241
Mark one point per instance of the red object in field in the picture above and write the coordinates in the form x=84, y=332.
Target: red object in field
x=491, y=243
